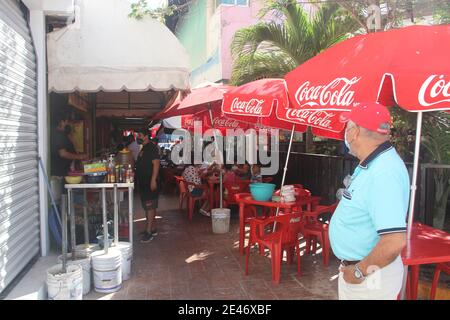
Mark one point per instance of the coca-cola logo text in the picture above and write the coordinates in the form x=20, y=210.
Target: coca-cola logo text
x=434, y=90
x=252, y=106
x=226, y=123
x=189, y=122
x=336, y=93
x=315, y=118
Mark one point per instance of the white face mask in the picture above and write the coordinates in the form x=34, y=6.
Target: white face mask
x=347, y=143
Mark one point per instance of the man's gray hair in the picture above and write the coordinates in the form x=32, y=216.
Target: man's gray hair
x=375, y=135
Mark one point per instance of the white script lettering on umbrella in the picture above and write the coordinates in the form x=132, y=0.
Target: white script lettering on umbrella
x=434, y=88
x=336, y=93
x=226, y=123
x=253, y=106
x=189, y=122
x=316, y=118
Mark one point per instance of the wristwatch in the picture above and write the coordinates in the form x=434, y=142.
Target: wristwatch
x=358, y=273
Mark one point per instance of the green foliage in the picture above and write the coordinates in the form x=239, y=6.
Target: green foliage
x=402, y=135
x=436, y=137
x=436, y=142
x=271, y=49
x=140, y=10
x=396, y=12
x=441, y=14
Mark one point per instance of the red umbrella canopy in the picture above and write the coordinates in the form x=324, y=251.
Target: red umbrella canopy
x=200, y=99
x=220, y=122
x=255, y=102
x=409, y=66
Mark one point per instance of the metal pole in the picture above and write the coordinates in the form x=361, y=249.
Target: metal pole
x=286, y=165
x=130, y=215
x=217, y=149
x=105, y=222
x=72, y=222
x=220, y=184
x=413, y=195
x=85, y=217
x=287, y=157
x=414, y=177
x=285, y=170
x=116, y=217
x=64, y=232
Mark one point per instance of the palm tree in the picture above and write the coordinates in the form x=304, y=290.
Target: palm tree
x=272, y=49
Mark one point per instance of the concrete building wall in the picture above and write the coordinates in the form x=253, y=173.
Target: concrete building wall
x=192, y=32
x=232, y=19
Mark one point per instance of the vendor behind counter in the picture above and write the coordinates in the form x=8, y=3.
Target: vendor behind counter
x=62, y=154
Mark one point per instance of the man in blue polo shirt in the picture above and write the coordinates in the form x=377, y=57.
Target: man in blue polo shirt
x=367, y=230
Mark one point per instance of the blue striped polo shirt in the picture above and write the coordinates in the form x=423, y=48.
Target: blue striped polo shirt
x=375, y=203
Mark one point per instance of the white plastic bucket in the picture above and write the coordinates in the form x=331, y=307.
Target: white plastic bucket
x=107, y=270
x=65, y=286
x=220, y=220
x=87, y=249
x=127, y=252
x=84, y=260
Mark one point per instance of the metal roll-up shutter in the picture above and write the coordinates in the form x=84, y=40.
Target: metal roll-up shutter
x=19, y=201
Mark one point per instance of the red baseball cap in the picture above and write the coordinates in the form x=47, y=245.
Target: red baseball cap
x=370, y=115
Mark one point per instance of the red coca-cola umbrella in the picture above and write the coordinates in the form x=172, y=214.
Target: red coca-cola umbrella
x=227, y=126
x=198, y=100
x=408, y=66
x=255, y=102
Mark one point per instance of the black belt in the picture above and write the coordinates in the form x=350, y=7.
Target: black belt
x=349, y=263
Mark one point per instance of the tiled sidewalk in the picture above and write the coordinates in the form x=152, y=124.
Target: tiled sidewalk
x=187, y=261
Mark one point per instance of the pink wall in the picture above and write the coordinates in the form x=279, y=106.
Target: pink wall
x=234, y=18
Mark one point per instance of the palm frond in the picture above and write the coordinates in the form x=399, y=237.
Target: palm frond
x=281, y=46
x=265, y=65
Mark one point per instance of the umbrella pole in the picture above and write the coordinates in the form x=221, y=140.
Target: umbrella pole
x=287, y=157
x=217, y=148
x=415, y=171
x=285, y=169
x=413, y=194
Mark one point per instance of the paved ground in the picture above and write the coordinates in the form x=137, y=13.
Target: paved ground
x=187, y=261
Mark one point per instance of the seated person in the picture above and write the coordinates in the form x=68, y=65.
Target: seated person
x=243, y=171
x=256, y=174
x=229, y=176
x=192, y=174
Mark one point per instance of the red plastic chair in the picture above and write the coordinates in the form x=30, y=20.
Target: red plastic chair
x=169, y=179
x=182, y=191
x=285, y=237
x=437, y=272
x=315, y=231
x=192, y=200
x=232, y=189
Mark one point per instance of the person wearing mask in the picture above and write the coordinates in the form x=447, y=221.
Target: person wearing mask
x=147, y=175
x=368, y=229
x=62, y=154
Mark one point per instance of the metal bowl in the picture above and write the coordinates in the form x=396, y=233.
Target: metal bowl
x=95, y=178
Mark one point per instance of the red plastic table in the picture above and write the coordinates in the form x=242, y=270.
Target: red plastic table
x=248, y=201
x=426, y=246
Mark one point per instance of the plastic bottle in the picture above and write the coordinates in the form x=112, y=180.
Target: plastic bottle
x=111, y=170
